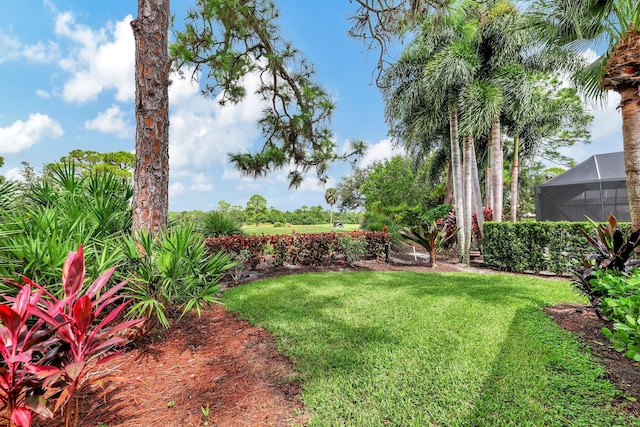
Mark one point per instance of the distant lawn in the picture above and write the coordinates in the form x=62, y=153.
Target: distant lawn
x=319, y=228
x=416, y=349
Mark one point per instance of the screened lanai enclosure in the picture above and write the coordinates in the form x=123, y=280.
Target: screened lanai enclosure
x=594, y=189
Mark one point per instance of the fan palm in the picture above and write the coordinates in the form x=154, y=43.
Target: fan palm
x=331, y=197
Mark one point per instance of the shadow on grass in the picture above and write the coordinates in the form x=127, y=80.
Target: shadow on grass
x=543, y=376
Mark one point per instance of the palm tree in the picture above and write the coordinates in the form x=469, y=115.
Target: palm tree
x=331, y=197
x=579, y=24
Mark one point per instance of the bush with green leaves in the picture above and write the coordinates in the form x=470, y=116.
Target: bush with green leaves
x=57, y=214
x=537, y=246
x=217, y=224
x=173, y=270
x=619, y=300
x=354, y=248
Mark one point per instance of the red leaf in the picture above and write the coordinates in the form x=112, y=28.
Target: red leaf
x=99, y=283
x=21, y=302
x=73, y=272
x=74, y=370
x=82, y=314
x=21, y=417
x=10, y=319
x=38, y=404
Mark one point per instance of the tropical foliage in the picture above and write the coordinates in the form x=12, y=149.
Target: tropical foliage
x=50, y=346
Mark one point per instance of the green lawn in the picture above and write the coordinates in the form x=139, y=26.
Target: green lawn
x=269, y=229
x=415, y=349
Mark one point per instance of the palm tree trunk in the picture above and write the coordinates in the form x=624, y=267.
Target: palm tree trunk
x=515, y=175
x=488, y=182
x=456, y=167
x=468, y=197
x=630, y=108
x=151, y=175
x=477, y=195
x=448, y=187
x=497, y=164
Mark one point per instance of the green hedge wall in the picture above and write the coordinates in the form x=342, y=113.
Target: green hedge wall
x=537, y=246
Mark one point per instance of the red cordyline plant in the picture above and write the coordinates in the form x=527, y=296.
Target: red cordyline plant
x=82, y=320
x=21, y=342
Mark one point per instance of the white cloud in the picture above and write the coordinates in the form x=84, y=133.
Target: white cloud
x=201, y=182
x=202, y=132
x=21, y=135
x=100, y=60
x=14, y=174
x=13, y=49
x=176, y=189
x=43, y=94
x=383, y=150
x=112, y=121
x=606, y=132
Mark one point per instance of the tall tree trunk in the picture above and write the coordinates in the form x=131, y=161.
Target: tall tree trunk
x=468, y=197
x=448, y=186
x=515, y=175
x=456, y=167
x=497, y=164
x=477, y=194
x=151, y=175
x=488, y=180
x=630, y=108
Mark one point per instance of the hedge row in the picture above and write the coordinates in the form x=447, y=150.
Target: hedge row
x=304, y=249
x=537, y=246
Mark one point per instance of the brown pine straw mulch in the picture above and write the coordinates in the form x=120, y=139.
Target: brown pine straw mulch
x=222, y=363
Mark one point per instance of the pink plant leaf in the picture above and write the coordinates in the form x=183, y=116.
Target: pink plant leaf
x=108, y=297
x=73, y=272
x=98, y=335
x=5, y=336
x=21, y=417
x=66, y=334
x=10, y=319
x=105, y=346
x=82, y=314
x=39, y=405
x=21, y=302
x=22, y=357
x=43, y=371
x=106, y=320
x=74, y=370
x=100, y=282
x=109, y=357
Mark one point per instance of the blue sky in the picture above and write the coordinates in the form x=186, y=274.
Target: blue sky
x=66, y=82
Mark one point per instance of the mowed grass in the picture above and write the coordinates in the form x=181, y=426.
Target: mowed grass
x=425, y=349
x=269, y=229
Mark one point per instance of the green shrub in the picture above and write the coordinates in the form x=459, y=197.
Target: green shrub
x=216, y=224
x=620, y=302
x=352, y=247
x=174, y=269
x=53, y=217
x=536, y=246
x=278, y=224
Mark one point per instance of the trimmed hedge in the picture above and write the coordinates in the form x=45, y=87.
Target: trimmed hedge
x=298, y=248
x=537, y=246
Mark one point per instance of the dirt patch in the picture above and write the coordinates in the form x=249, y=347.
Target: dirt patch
x=223, y=363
